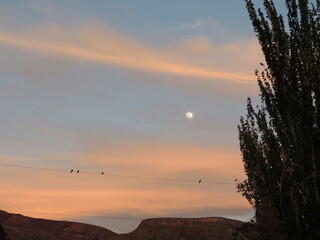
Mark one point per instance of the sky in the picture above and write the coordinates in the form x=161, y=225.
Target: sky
x=104, y=86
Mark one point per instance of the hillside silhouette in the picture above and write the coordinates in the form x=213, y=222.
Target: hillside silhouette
x=19, y=227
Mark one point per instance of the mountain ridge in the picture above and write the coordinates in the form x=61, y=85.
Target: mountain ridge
x=20, y=227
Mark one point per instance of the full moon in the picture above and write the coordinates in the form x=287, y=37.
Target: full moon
x=189, y=115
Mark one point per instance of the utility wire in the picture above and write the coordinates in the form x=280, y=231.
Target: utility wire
x=115, y=175
x=93, y=216
x=87, y=216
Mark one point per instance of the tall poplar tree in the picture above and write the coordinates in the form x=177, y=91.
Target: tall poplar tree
x=280, y=139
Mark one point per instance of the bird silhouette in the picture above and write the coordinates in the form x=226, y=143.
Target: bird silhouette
x=200, y=181
x=78, y=171
x=71, y=171
x=102, y=173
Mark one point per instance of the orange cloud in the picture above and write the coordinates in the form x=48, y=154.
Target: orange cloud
x=241, y=56
x=89, y=198
x=152, y=158
x=63, y=193
x=56, y=192
x=111, y=48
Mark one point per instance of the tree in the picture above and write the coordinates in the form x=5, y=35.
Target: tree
x=280, y=139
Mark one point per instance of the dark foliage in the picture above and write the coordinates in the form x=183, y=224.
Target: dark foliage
x=280, y=140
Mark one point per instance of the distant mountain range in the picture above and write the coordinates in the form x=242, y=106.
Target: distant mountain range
x=20, y=227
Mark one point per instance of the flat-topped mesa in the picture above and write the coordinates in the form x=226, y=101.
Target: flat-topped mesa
x=187, y=222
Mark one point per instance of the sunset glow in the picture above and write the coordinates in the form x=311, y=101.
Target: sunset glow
x=143, y=105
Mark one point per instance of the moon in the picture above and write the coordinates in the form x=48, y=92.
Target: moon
x=189, y=115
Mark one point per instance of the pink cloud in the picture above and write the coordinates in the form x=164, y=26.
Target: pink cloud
x=104, y=45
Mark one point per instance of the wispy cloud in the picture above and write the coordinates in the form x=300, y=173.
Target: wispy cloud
x=106, y=46
x=57, y=192
x=93, y=193
x=49, y=192
x=198, y=24
x=155, y=158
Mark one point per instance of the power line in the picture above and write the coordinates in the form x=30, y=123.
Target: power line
x=115, y=175
x=86, y=216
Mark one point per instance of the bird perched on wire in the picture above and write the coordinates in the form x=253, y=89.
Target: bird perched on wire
x=200, y=181
x=78, y=171
x=71, y=171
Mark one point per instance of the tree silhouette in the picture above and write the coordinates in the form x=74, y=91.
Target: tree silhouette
x=280, y=139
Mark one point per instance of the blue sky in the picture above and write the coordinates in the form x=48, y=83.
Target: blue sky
x=105, y=85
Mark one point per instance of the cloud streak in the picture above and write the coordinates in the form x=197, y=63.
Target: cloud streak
x=198, y=23
x=111, y=48
x=94, y=146
x=63, y=193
